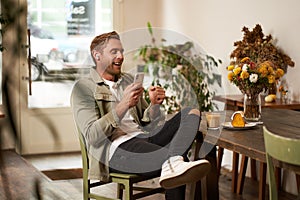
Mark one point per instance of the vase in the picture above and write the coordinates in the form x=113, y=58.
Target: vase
x=272, y=89
x=284, y=97
x=252, y=107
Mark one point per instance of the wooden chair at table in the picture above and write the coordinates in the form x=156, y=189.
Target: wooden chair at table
x=124, y=181
x=282, y=149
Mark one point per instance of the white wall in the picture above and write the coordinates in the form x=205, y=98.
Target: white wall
x=136, y=13
x=218, y=24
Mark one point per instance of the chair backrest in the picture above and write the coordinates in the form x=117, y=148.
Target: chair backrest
x=85, y=165
x=83, y=149
x=282, y=149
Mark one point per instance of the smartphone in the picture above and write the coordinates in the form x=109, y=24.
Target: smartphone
x=139, y=78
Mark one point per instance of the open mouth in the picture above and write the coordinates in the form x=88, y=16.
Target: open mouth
x=117, y=63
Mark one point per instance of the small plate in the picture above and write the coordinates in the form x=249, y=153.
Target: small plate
x=248, y=125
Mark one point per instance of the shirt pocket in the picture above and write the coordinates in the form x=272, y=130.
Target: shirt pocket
x=104, y=97
x=105, y=102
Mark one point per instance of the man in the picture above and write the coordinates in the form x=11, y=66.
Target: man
x=125, y=134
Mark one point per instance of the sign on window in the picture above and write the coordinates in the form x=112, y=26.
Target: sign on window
x=81, y=17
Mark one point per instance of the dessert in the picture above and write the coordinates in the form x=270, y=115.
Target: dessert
x=237, y=119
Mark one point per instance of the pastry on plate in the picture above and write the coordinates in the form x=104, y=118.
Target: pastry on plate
x=237, y=119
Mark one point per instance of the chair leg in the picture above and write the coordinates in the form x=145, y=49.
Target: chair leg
x=199, y=142
x=235, y=166
x=86, y=190
x=120, y=191
x=298, y=182
x=128, y=191
x=242, y=174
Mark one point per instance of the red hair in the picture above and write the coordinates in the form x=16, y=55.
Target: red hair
x=101, y=40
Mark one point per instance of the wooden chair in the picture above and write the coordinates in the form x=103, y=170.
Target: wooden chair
x=282, y=149
x=124, y=181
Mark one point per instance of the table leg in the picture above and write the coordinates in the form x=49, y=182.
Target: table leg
x=219, y=160
x=262, y=181
x=242, y=174
x=235, y=166
x=298, y=182
x=253, y=169
x=278, y=177
x=212, y=179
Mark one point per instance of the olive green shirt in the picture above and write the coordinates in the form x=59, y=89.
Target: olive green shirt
x=94, y=114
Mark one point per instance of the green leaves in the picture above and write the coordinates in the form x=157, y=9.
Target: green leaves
x=190, y=83
x=150, y=28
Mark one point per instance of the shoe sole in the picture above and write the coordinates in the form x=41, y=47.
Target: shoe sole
x=191, y=175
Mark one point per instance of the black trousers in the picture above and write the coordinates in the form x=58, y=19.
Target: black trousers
x=145, y=155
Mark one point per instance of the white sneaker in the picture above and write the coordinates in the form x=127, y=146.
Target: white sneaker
x=176, y=172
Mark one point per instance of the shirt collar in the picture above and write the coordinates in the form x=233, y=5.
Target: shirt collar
x=99, y=80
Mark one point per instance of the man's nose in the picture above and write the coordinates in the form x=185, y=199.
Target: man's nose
x=120, y=55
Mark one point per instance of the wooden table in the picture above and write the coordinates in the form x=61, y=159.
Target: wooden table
x=236, y=102
x=250, y=142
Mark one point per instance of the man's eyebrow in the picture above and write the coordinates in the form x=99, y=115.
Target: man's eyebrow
x=117, y=49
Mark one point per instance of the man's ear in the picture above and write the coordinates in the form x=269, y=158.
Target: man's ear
x=96, y=55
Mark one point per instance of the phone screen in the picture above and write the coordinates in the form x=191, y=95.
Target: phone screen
x=139, y=78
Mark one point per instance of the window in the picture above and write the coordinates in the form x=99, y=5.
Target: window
x=61, y=32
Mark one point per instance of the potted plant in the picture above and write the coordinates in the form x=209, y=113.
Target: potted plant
x=185, y=72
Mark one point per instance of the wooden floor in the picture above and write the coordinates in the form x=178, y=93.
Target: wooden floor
x=20, y=180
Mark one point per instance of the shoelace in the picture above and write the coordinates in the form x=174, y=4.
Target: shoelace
x=170, y=166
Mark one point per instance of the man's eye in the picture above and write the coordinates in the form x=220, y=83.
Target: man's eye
x=116, y=51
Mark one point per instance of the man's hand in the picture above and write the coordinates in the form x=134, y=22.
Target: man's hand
x=156, y=94
x=131, y=96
